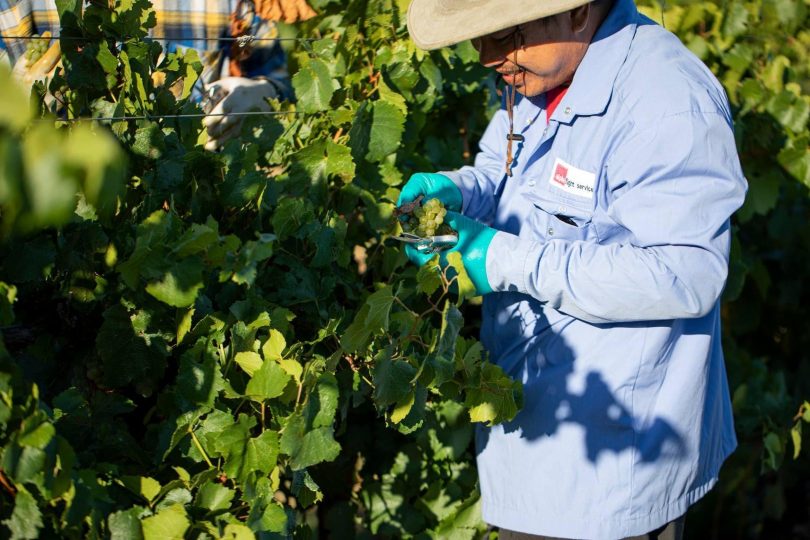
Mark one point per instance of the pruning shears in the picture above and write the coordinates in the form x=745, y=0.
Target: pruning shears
x=428, y=244
x=212, y=95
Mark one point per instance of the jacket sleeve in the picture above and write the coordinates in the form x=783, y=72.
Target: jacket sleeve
x=673, y=187
x=16, y=19
x=480, y=184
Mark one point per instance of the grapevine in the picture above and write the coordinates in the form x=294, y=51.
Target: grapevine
x=223, y=345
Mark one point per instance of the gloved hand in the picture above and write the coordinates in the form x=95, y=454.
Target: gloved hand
x=432, y=186
x=474, y=239
x=242, y=95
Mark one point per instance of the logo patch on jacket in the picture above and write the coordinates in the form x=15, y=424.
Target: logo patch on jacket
x=572, y=180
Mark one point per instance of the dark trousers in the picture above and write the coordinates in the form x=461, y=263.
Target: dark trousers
x=671, y=531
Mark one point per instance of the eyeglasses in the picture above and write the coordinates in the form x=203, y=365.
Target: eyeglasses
x=502, y=38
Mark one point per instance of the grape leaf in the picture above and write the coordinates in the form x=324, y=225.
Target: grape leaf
x=290, y=215
x=36, y=435
x=358, y=333
x=392, y=379
x=388, y=124
x=314, y=86
x=308, y=436
x=125, y=353
x=237, y=531
x=452, y=321
x=200, y=379
x=180, y=284
x=274, y=346
x=466, y=289
x=379, y=308
x=146, y=487
x=271, y=518
x=249, y=361
x=428, y=278
x=26, y=519
x=497, y=398
x=125, y=525
x=169, y=524
x=214, y=497
x=245, y=455
x=267, y=382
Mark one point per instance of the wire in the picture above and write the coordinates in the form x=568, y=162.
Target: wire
x=246, y=38
x=164, y=116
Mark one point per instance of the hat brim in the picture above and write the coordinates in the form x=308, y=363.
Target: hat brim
x=434, y=24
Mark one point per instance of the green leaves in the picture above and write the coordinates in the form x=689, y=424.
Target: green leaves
x=496, y=398
x=244, y=456
x=392, y=380
x=170, y=523
x=180, y=284
x=125, y=525
x=308, y=436
x=379, y=307
x=386, y=130
x=314, y=86
x=26, y=519
x=267, y=382
x=46, y=171
x=373, y=317
x=376, y=130
x=126, y=351
x=216, y=288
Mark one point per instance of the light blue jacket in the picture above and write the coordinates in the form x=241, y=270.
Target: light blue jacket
x=607, y=290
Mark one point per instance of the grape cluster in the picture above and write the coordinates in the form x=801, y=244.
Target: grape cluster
x=431, y=217
x=36, y=48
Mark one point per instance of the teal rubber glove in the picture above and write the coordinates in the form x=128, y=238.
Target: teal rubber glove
x=474, y=239
x=432, y=186
x=473, y=243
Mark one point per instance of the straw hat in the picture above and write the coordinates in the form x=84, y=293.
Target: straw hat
x=438, y=23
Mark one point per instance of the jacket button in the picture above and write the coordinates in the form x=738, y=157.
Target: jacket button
x=550, y=231
x=531, y=183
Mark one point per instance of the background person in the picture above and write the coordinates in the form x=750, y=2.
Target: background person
x=247, y=77
x=595, y=222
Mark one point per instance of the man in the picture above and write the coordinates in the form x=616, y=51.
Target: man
x=246, y=77
x=595, y=222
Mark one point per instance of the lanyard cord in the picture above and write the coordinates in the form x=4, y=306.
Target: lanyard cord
x=510, y=105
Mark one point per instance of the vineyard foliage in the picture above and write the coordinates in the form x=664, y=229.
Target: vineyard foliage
x=229, y=345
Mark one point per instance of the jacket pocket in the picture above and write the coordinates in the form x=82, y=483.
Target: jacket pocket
x=560, y=218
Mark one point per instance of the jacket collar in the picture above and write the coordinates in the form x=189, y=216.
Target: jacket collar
x=593, y=81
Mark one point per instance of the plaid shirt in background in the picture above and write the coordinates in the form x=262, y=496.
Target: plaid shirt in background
x=180, y=24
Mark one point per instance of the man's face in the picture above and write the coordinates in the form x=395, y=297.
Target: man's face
x=539, y=55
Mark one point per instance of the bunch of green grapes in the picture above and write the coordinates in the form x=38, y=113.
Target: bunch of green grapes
x=36, y=48
x=431, y=218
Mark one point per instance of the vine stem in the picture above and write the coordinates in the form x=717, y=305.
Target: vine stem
x=200, y=448
x=799, y=414
x=222, y=360
x=5, y=482
x=401, y=303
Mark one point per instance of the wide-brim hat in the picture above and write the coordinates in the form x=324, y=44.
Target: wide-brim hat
x=434, y=24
